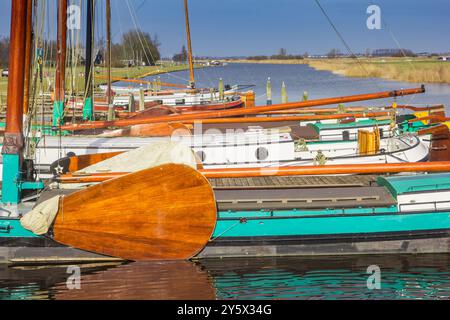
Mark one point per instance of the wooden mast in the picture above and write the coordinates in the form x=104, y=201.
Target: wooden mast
x=241, y=112
x=88, y=109
x=13, y=143
x=28, y=49
x=189, y=43
x=108, y=60
x=60, y=76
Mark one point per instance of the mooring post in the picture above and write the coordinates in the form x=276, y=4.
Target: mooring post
x=221, y=90
x=141, y=99
x=131, y=106
x=305, y=96
x=284, y=97
x=159, y=84
x=269, y=92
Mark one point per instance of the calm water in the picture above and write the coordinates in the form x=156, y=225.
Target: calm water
x=402, y=277
x=300, y=78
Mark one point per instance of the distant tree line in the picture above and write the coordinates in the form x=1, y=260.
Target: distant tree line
x=182, y=56
x=4, y=52
x=136, y=48
x=282, y=55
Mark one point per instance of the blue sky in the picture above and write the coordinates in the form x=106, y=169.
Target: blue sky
x=250, y=27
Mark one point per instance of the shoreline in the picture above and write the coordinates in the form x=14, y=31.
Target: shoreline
x=413, y=70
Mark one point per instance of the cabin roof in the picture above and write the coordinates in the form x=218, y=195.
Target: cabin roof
x=411, y=184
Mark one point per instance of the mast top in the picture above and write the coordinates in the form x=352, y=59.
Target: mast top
x=190, y=56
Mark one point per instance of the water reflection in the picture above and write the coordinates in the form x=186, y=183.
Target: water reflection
x=402, y=277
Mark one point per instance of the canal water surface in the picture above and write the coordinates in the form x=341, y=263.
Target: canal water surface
x=375, y=278
x=301, y=78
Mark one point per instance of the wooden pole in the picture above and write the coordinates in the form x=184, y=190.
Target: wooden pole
x=284, y=97
x=241, y=112
x=60, y=76
x=442, y=166
x=88, y=109
x=13, y=142
x=292, y=118
x=189, y=43
x=28, y=49
x=108, y=61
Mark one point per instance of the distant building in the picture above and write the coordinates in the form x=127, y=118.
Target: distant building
x=392, y=53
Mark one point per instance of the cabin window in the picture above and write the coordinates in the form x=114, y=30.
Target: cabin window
x=201, y=155
x=262, y=154
x=346, y=135
x=180, y=102
x=159, y=101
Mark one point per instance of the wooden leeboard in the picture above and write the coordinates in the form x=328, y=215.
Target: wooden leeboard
x=164, y=213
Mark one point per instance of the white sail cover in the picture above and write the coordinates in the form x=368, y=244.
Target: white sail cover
x=40, y=219
x=152, y=155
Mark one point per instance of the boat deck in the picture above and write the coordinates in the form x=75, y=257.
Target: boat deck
x=294, y=182
x=286, y=193
x=298, y=199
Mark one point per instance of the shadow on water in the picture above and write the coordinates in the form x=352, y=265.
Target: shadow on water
x=402, y=277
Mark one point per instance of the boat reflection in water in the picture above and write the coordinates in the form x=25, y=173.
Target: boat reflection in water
x=402, y=277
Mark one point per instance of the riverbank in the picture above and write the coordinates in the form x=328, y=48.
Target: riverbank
x=416, y=70
x=100, y=73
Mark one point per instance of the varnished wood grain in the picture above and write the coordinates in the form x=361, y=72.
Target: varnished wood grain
x=163, y=213
x=80, y=162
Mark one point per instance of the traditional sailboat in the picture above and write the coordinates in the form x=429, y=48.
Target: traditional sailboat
x=171, y=209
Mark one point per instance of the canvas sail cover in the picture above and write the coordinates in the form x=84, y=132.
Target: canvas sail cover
x=41, y=218
x=153, y=155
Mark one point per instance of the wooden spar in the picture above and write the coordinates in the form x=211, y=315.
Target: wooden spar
x=108, y=61
x=431, y=118
x=354, y=109
x=292, y=118
x=432, y=130
x=189, y=43
x=329, y=170
x=14, y=116
x=164, y=213
x=418, y=109
x=13, y=141
x=241, y=112
x=164, y=84
x=442, y=166
x=28, y=49
x=60, y=73
x=61, y=51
